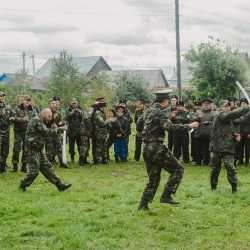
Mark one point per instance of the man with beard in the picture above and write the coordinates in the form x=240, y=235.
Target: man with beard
x=36, y=158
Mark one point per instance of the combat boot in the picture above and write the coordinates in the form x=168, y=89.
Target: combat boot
x=143, y=204
x=247, y=162
x=104, y=160
x=14, y=169
x=61, y=187
x=116, y=159
x=213, y=186
x=63, y=165
x=86, y=161
x=124, y=159
x=166, y=197
x=23, y=187
x=96, y=162
x=72, y=159
x=234, y=188
x=24, y=168
x=82, y=161
x=2, y=167
x=240, y=162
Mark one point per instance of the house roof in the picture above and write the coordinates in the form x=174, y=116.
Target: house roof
x=34, y=81
x=156, y=78
x=85, y=64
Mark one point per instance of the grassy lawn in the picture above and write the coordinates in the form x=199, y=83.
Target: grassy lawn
x=100, y=210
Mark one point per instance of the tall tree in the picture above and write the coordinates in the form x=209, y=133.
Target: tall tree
x=65, y=80
x=131, y=86
x=215, y=69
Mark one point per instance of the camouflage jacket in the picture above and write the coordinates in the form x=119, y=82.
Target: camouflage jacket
x=237, y=123
x=36, y=133
x=223, y=134
x=56, y=118
x=74, y=121
x=100, y=124
x=63, y=114
x=185, y=119
x=153, y=123
x=86, y=127
x=4, y=119
x=138, y=113
x=128, y=115
x=20, y=125
x=208, y=116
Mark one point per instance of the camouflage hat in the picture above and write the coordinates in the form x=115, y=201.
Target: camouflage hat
x=27, y=97
x=2, y=93
x=224, y=103
x=73, y=100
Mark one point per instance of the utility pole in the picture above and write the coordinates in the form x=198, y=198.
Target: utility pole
x=178, y=59
x=33, y=61
x=23, y=62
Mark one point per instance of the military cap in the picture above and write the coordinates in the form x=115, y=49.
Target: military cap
x=232, y=99
x=122, y=101
x=207, y=101
x=101, y=104
x=224, y=103
x=244, y=100
x=73, y=100
x=179, y=103
x=163, y=93
x=141, y=101
x=27, y=97
x=2, y=93
x=56, y=98
x=174, y=96
x=100, y=99
x=198, y=103
x=120, y=108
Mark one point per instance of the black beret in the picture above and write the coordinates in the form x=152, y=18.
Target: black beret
x=56, y=98
x=244, y=100
x=232, y=99
x=207, y=101
x=122, y=101
x=101, y=104
x=198, y=103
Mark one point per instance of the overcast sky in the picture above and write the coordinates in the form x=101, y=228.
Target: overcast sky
x=138, y=34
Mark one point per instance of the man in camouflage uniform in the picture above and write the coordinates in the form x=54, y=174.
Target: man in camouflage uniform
x=85, y=132
x=151, y=126
x=36, y=158
x=244, y=143
x=6, y=116
x=222, y=144
x=170, y=110
x=138, y=140
x=100, y=133
x=127, y=114
x=181, y=138
x=74, y=116
x=24, y=112
x=53, y=145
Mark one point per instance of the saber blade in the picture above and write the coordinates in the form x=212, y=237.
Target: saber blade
x=243, y=91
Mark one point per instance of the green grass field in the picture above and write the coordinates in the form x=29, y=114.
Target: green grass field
x=100, y=210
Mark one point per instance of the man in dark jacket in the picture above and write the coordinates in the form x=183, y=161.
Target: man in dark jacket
x=36, y=158
x=222, y=144
x=120, y=130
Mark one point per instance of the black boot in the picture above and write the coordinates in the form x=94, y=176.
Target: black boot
x=96, y=161
x=234, y=188
x=240, y=162
x=124, y=159
x=23, y=187
x=144, y=204
x=61, y=187
x=14, y=169
x=86, y=161
x=116, y=159
x=2, y=167
x=72, y=159
x=104, y=161
x=213, y=186
x=24, y=168
x=63, y=165
x=247, y=162
x=82, y=161
x=166, y=197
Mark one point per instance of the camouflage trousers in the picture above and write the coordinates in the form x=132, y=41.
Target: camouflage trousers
x=72, y=141
x=4, y=144
x=216, y=158
x=19, y=145
x=84, y=146
x=53, y=147
x=100, y=149
x=37, y=161
x=158, y=157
